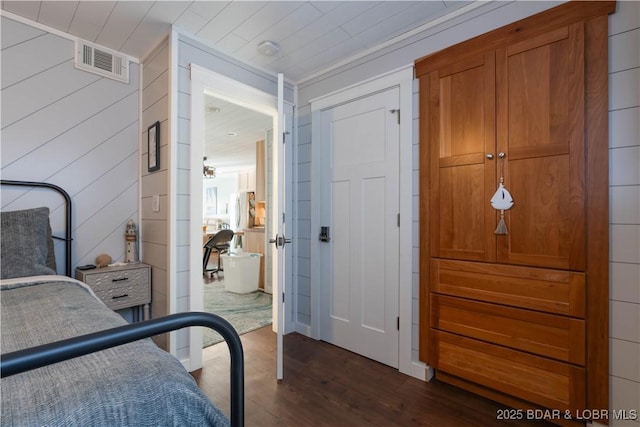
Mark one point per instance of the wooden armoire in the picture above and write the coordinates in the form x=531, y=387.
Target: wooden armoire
x=521, y=317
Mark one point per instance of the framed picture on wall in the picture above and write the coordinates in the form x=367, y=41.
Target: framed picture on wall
x=153, y=146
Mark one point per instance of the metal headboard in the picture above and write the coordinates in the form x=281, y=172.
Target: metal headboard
x=67, y=232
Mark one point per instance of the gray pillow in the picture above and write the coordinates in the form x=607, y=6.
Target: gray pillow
x=26, y=239
x=51, y=251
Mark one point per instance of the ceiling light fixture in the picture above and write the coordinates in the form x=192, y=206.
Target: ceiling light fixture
x=232, y=133
x=268, y=48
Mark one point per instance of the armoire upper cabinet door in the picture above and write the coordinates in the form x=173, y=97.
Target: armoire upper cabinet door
x=540, y=125
x=461, y=135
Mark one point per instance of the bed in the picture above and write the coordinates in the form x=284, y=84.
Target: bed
x=69, y=360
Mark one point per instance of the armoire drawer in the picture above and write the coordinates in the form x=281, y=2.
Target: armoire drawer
x=535, y=379
x=551, y=291
x=557, y=337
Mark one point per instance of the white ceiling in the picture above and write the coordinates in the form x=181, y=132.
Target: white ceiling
x=313, y=36
x=232, y=153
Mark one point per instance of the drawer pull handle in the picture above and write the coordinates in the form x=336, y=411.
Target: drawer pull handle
x=120, y=279
x=119, y=296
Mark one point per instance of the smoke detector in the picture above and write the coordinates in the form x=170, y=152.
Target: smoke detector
x=268, y=48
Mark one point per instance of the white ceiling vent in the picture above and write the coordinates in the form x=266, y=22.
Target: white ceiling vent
x=97, y=59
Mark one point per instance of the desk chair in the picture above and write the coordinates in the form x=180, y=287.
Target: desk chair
x=219, y=242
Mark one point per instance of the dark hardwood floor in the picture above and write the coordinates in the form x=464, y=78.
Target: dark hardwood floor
x=327, y=386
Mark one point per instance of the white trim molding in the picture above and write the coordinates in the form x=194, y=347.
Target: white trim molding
x=172, y=172
x=205, y=81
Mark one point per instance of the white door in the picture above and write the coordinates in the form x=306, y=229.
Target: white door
x=280, y=240
x=360, y=205
x=233, y=91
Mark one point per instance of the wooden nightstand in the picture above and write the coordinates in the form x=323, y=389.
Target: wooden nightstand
x=121, y=287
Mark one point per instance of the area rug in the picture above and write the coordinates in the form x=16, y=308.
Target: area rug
x=246, y=312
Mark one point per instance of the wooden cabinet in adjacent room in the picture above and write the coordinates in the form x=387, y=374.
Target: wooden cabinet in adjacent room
x=518, y=315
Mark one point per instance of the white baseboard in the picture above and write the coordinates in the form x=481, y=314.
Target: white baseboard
x=420, y=371
x=303, y=329
x=417, y=369
x=430, y=373
x=187, y=364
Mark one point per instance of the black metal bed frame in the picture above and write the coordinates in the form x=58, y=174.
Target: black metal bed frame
x=48, y=354
x=67, y=233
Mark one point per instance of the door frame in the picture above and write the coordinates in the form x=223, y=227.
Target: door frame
x=219, y=86
x=408, y=279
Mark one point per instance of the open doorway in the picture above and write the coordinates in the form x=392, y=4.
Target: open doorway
x=206, y=82
x=237, y=280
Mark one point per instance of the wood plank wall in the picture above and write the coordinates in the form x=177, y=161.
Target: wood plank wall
x=74, y=129
x=624, y=213
x=155, y=225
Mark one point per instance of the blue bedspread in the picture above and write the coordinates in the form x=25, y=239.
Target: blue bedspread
x=136, y=384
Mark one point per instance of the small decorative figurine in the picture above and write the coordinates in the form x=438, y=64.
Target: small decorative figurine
x=103, y=260
x=131, y=243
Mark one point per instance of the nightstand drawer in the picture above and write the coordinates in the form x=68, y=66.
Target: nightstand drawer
x=120, y=288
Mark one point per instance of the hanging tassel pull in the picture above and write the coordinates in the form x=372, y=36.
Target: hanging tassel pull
x=502, y=201
x=502, y=226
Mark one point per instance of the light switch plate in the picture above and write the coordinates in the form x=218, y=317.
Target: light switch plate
x=156, y=203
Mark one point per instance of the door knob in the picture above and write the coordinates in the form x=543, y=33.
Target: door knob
x=279, y=241
x=489, y=156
